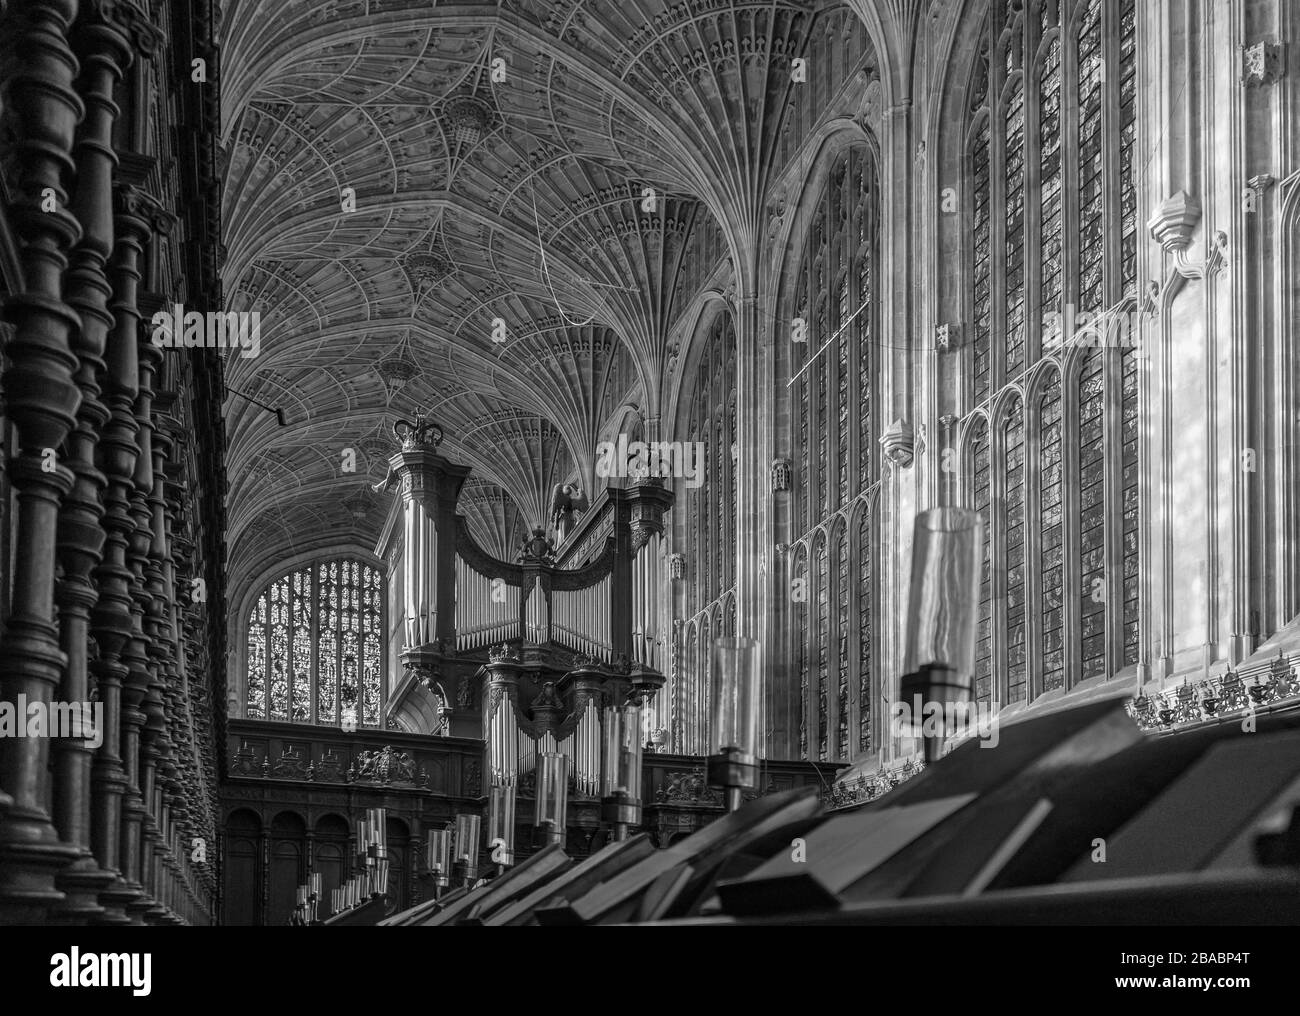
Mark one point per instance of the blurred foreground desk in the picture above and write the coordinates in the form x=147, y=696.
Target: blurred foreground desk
x=1074, y=817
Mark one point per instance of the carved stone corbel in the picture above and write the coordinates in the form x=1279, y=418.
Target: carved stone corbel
x=899, y=443
x=1172, y=225
x=782, y=474
x=1261, y=64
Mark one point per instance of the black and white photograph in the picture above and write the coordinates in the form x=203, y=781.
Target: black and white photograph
x=711, y=464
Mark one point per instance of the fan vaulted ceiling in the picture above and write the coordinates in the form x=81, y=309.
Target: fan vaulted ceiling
x=497, y=154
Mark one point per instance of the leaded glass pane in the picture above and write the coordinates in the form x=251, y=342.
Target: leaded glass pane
x=1049, y=189
x=279, y=650
x=842, y=640
x=866, y=594
x=1092, y=517
x=823, y=647
x=300, y=664
x=255, y=702
x=983, y=268
x=980, y=502
x=1013, y=443
x=1014, y=280
x=1051, y=561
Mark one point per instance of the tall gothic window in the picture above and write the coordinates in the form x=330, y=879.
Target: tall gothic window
x=866, y=627
x=799, y=574
x=823, y=644
x=1013, y=538
x=842, y=633
x=832, y=438
x=711, y=507
x=711, y=521
x=1050, y=142
x=315, y=646
x=980, y=501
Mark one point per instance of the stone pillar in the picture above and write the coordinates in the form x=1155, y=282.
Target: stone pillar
x=755, y=526
x=41, y=399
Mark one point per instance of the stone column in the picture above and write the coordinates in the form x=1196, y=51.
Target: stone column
x=41, y=399
x=755, y=527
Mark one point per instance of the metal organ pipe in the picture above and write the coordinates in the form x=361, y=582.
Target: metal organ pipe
x=480, y=619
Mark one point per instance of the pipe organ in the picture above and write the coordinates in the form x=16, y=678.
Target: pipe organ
x=525, y=654
x=581, y=619
x=486, y=608
x=420, y=578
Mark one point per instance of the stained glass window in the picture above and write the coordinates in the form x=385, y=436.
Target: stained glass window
x=690, y=693
x=300, y=647
x=733, y=439
x=865, y=335
x=1092, y=517
x=700, y=717
x=278, y=653
x=842, y=640
x=980, y=237
x=1014, y=161
x=711, y=519
x=866, y=662
x=980, y=495
x=1091, y=183
x=800, y=480
x=1127, y=141
x=1013, y=446
x=1051, y=556
x=823, y=646
x=834, y=439
x=1079, y=68
x=257, y=660
x=315, y=640
x=800, y=611
x=712, y=530
x=835, y=276
x=1049, y=184
x=842, y=422
x=1129, y=494
x=823, y=460
x=721, y=511
x=1130, y=510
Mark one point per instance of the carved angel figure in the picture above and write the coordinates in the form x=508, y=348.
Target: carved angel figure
x=566, y=498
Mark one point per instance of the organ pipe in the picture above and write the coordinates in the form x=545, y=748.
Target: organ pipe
x=487, y=610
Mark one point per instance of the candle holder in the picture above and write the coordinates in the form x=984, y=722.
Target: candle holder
x=736, y=677
x=437, y=859
x=552, y=797
x=501, y=826
x=314, y=898
x=465, y=864
x=372, y=854
x=620, y=803
x=943, y=609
